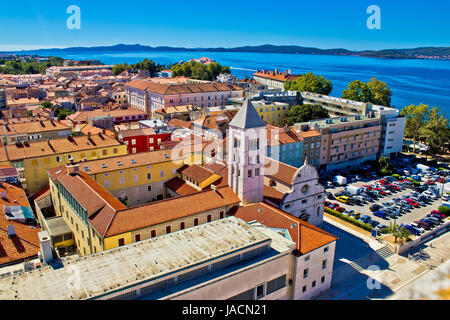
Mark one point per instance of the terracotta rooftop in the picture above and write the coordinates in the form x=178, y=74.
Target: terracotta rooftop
x=32, y=127
x=279, y=76
x=84, y=116
x=25, y=244
x=167, y=210
x=58, y=146
x=132, y=161
x=280, y=171
x=174, y=89
x=180, y=186
x=273, y=195
x=306, y=236
x=196, y=173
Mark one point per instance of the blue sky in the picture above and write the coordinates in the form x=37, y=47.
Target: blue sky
x=30, y=24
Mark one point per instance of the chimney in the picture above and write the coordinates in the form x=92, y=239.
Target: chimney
x=11, y=231
x=46, y=246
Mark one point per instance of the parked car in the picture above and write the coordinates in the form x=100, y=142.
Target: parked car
x=419, y=228
x=330, y=196
x=380, y=214
x=374, y=207
x=411, y=229
x=423, y=224
x=343, y=199
x=374, y=223
x=365, y=219
x=339, y=209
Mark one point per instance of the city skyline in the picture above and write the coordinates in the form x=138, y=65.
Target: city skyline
x=156, y=24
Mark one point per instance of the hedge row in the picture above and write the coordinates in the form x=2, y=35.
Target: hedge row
x=351, y=220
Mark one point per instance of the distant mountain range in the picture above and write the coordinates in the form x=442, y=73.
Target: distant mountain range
x=417, y=53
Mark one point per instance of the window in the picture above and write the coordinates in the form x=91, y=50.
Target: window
x=260, y=291
x=304, y=289
x=324, y=264
x=307, y=258
x=249, y=173
x=196, y=222
x=276, y=284
x=209, y=218
x=149, y=188
x=122, y=181
x=105, y=152
x=305, y=273
x=121, y=242
x=149, y=176
x=168, y=229
x=322, y=280
x=182, y=226
x=222, y=214
x=58, y=159
x=137, y=238
x=115, y=150
x=153, y=234
x=326, y=249
x=162, y=174
x=135, y=178
x=133, y=141
x=314, y=284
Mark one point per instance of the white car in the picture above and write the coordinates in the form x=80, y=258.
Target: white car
x=415, y=225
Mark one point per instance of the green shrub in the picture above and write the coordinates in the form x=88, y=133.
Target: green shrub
x=410, y=179
x=351, y=220
x=416, y=183
x=444, y=210
x=396, y=176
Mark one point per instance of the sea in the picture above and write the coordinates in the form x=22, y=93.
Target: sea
x=412, y=81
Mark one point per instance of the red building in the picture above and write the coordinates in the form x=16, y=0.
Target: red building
x=144, y=139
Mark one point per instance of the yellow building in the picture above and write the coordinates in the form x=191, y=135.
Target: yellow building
x=101, y=222
x=33, y=159
x=137, y=178
x=273, y=113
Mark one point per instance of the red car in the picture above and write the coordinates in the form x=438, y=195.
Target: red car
x=414, y=204
x=440, y=180
x=339, y=209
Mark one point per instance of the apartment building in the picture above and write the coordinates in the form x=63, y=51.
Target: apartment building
x=336, y=106
x=33, y=159
x=115, y=116
x=345, y=141
x=271, y=112
x=143, y=139
x=135, y=179
x=54, y=72
x=100, y=222
x=150, y=97
x=393, y=130
x=11, y=133
x=285, y=145
x=274, y=79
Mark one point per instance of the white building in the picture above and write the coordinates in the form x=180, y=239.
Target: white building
x=392, y=130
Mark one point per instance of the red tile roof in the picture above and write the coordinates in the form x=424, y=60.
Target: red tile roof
x=306, y=236
x=25, y=244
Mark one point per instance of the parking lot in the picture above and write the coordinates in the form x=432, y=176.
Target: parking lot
x=413, y=215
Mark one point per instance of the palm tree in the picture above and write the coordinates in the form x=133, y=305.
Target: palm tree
x=401, y=234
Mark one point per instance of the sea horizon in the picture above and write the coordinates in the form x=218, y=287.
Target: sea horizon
x=412, y=81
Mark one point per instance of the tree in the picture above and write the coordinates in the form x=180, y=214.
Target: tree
x=381, y=94
x=197, y=70
x=47, y=104
x=385, y=168
x=358, y=91
x=428, y=125
x=305, y=113
x=310, y=82
x=436, y=132
x=399, y=233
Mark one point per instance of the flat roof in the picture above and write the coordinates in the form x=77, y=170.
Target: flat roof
x=134, y=264
x=57, y=226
